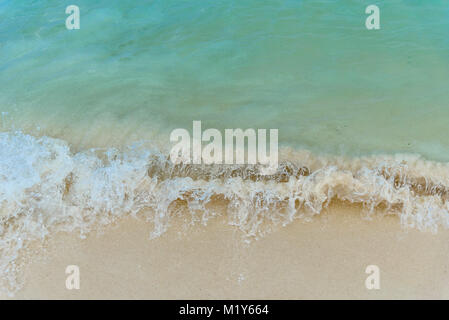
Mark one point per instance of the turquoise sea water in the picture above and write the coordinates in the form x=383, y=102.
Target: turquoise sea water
x=308, y=68
x=362, y=114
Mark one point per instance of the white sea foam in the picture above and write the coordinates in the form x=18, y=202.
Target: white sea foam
x=45, y=188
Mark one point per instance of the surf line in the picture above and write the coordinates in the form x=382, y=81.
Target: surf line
x=189, y=149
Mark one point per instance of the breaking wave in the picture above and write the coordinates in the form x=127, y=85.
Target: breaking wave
x=45, y=187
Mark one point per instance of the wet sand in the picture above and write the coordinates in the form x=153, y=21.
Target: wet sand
x=322, y=259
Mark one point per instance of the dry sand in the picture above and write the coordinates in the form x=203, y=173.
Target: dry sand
x=322, y=259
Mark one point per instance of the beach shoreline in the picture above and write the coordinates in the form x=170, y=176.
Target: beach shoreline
x=324, y=258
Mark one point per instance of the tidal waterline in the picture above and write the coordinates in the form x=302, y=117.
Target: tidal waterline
x=308, y=68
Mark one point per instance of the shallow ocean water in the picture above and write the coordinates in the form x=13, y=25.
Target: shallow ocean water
x=308, y=68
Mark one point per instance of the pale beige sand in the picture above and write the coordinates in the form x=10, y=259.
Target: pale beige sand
x=322, y=259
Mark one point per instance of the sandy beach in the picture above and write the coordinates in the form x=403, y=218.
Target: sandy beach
x=322, y=259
